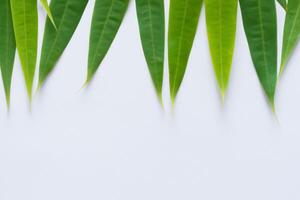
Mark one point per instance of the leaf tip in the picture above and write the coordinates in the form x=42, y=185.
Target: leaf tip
x=53, y=23
x=160, y=98
x=87, y=81
x=282, y=66
x=173, y=98
x=272, y=104
x=40, y=84
x=7, y=95
x=223, y=94
x=7, y=102
x=29, y=93
x=89, y=76
x=84, y=85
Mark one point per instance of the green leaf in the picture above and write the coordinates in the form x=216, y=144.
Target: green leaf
x=152, y=31
x=283, y=3
x=48, y=11
x=107, y=18
x=25, y=21
x=67, y=14
x=260, y=25
x=221, y=29
x=291, y=34
x=183, y=21
x=7, y=46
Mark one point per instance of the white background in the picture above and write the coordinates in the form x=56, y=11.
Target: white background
x=113, y=141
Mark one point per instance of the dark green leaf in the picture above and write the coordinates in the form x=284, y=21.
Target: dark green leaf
x=7, y=46
x=107, y=18
x=291, y=31
x=152, y=30
x=67, y=14
x=183, y=21
x=260, y=24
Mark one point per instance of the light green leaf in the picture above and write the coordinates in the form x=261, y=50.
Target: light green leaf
x=221, y=29
x=107, y=18
x=25, y=21
x=291, y=34
x=7, y=46
x=67, y=14
x=183, y=21
x=152, y=30
x=283, y=3
x=48, y=11
x=260, y=24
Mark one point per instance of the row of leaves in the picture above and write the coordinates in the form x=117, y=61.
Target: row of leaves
x=19, y=30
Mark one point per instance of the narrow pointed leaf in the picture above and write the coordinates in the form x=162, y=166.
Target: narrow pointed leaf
x=221, y=29
x=107, y=18
x=67, y=14
x=283, y=3
x=152, y=31
x=183, y=21
x=48, y=11
x=7, y=46
x=260, y=25
x=291, y=34
x=25, y=21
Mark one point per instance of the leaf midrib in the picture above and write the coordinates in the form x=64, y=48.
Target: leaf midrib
x=261, y=26
x=102, y=32
x=179, y=48
x=221, y=43
x=152, y=39
x=26, y=42
x=7, y=34
x=59, y=30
